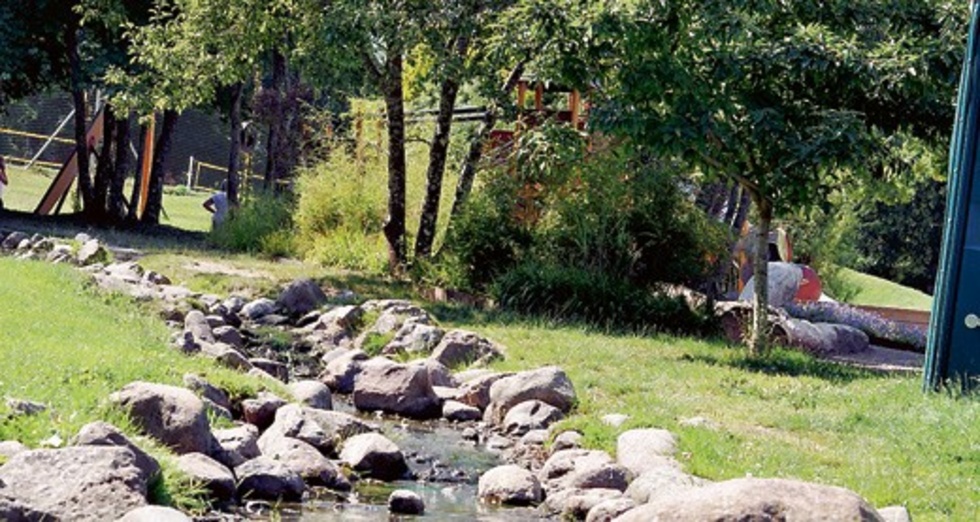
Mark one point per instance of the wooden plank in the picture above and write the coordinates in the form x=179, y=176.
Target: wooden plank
x=69, y=170
x=917, y=318
x=147, y=166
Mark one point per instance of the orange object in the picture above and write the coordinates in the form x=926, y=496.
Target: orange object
x=810, y=287
x=147, y=166
x=69, y=170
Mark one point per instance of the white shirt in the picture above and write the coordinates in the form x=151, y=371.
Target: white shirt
x=220, y=201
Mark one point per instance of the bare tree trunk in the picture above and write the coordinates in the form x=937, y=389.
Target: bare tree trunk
x=104, y=169
x=122, y=164
x=394, y=226
x=134, y=199
x=758, y=343
x=154, y=200
x=437, y=168
x=718, y=201
x=81, y=114
x=731, y=204
x=744, y=205
x=234, y=154
x=468, y=173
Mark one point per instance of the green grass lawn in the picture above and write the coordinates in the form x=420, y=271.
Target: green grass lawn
x=875, y=291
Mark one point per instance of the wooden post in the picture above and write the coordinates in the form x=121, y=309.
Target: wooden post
x=147, y=165
x=574, y=99
x=539, y=97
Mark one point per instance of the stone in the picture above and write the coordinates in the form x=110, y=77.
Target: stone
x=301, y=296
x=9, y=448
x=584, y=469
x=215, y=321
x=567, y=440
x=475, y=391
x=340, y=374
x=609, y=509
x=13, y=239
x=238, y=445
x=823, y=339
x=214, y=476
x=756, y=499
x=535, y=437
x=575, y=503
x=895, y=514
x=261, y=411
x=155, y=514
x=460, y=347
x=784, y=282
x=663, y=481
x=314, y=394
x=305, y=460
x=174, y=416
x=101, y=433
x=396, y=388
x=324, y=430
x=268, y=479
x=259, y=308
x=346, y=317
x=458, y=412
x=447, y=394
x=274, y=368
x=405, y=502
x=615, y=419
x=439, y=375
x=510, y=485
x=92, y=252
x=414, y=338
x=84, y=483
x=374, y=456
x=206, y=390
x=230, y=336
x=549, y=385
x=530, y=415
x=644, y=449
x=24, y=407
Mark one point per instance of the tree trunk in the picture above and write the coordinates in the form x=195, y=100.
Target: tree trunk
x=154, y=200
x=81, y=114
x=437, y=168
x=394, y=226
x=759, y=344
x=744, y=205
x=104, y=169
x=134, y=199
x=278, y=136
x=731, y=204
x=115, y=211
x=468, y=173
x=718, y=202
x=234, y=154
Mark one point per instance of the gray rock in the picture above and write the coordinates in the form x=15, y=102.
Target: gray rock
x=314, y=394
x=104, y=434
x=413, y=338
x=261, y=411
x=644, y=449
x=784, y=283
x=475, y=391
x=615, y=419
x=549, y=385
x=234, y=304
x=92, y=252
x=756, y=499
x=895, y=514
x=460, y=347
x=9, y=448
x=301, y=296
x=459, y=412
x=259, y=308
x=174, y=416
x=575, y=503
x=536, y=437
x=206, y=390
x=584, y=469
x=405, y=502
x=567, y=440
x=396, y=388
x=324, y=430
x=85, y=483
x=439, y=375
x=340, y=374
x=510, y=485
x=345, y=317
x=238, y=445
x=305, y=460
x=13, y=239
x=268, y=479
x=274, y=368
x=24, y=407
x=374, y=456
x=230, y=336
x=530, y=415
x=447, y=394
x=608, y=510
x=663, y=481
x=215, y=321
x=216, y=477
x=155, y=514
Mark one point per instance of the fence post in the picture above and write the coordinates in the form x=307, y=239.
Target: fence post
x=190, y=173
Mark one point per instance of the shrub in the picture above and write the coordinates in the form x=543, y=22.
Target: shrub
x=261, y=225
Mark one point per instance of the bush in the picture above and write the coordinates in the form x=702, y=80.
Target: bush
x=261, y=225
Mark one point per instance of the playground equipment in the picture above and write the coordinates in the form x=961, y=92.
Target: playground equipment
x=55, y=196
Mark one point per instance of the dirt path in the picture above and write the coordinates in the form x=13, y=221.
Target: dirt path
x=885, y=359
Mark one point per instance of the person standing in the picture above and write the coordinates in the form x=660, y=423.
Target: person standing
x=3, y=179
x=217, y=205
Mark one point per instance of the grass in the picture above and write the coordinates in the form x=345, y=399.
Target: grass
x=875, y=291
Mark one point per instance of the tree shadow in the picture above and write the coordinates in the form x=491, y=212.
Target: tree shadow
x=788, y=363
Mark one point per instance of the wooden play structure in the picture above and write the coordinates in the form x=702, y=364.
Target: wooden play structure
x=575, y=113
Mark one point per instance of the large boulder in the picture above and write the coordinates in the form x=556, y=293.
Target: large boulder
x=784, y=283
x=757, y=499
x=340, y=373
x=405, y=502
x=155, y=514
x=583, y=469
x=824, y=339
x=214, y=476
x=414, y=337
x=259, y=308
x=511, y=485
x=174, y=416
x=104, y=434
x=644, y=449
x=305, y=460
x=375, y=456
x=301, y=296
x=530, y=415
x=575, y=503
x=549, y=385
x=314, y=394
x=607, y=510
x=196, y=324
x=237, y=445
x=85, y=483
x=396, y=388
x=261, y=410
x=460, y=347
x=458, y=412
x=475, y=391
x=268, y=479
x=662, y=481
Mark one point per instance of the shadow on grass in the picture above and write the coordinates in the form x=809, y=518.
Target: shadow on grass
x=785, y=362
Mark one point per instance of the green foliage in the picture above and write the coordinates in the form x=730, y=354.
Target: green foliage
x=261, y=225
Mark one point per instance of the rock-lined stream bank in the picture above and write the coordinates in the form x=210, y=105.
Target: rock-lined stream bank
x=370, y=409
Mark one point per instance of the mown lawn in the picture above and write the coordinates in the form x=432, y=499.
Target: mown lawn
x=875, y=291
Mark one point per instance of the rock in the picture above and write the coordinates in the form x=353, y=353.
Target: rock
x=274, y=368
x=824, y=339
x=230, y=336
x=155, y=514
x=346, y=317
x=608, y=510
x=584, y=469
x=460, y=347
x=475, y=391
x=549, y=385
x=663, y=481
x=206, y=390
x=173, y=416
x=396, y=388
x=91, y=252
x=340, y=373
x=447, y=394
x=530, y=415
x=9, y=448
x=459, y=412
x=511, y=485
x=261, y=411
x=84, y=483
x=642, y=450
x=575, y=503
x=13, y=239
x=227, y=356
x=23, y=407
x=215, y=321
x=374, y=456
x=536, y=437
x=784, y=283
x=268, y=479
x=405, y=502
x=439, y=375
x=305, y=460
x=615, y=419
x=264, y=375
x=104, y=434
x=314, y=394
x=756, y=499
x=238, y=445
x=259, y=308
x=413, y=338
x=211, y=474
x=895, y=514
x=567, y=440
x=301, y=296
